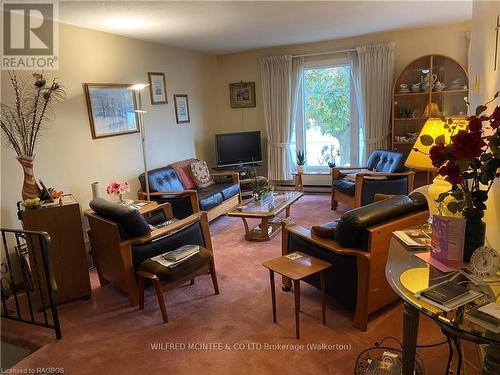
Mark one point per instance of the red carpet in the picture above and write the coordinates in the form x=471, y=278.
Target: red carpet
x=106, y=336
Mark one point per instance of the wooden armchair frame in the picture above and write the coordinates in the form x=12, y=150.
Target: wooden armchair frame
x=193, y=196
x=373, y=291
x=355, y=201
x=113, y=257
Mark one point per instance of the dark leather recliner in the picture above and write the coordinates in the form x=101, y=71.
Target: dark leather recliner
x=385, y=173
x=166, y=186
x=121, y=239
x=357, y=245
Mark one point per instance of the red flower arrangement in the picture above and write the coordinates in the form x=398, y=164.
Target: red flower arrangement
x=470, y=161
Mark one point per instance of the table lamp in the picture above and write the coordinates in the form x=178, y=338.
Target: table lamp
x=136, y=88
x=419, y=156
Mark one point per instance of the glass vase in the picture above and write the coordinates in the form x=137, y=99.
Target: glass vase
x=475, y=231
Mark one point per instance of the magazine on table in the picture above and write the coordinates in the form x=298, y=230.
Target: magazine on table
x=447, y=295
x=416, y=238
x=486, y=316
x=177, y=256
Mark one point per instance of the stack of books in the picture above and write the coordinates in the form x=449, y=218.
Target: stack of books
x=177, y=256
x=447, y=295
x=486, y=316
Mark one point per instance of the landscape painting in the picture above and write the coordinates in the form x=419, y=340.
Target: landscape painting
x=111, y=109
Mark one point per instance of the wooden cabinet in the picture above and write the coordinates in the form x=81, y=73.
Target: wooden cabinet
x=414, y=103
x=67, y=250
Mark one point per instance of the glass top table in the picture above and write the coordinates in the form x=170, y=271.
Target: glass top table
x=407, y=275
x=267, y=211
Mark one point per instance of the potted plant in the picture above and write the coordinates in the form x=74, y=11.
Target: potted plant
x=301, y=161
x=329, y=155
x=262, y=191
x=23, y=122
x=470, y=163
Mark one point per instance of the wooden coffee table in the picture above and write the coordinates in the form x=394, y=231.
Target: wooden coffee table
x=297, y=269
x=267, y=213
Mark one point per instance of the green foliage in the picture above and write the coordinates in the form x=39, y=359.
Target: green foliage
x=327, y=93
x=301, y=158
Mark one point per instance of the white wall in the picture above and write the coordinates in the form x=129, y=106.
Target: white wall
x=69, y=159
x=484, y=18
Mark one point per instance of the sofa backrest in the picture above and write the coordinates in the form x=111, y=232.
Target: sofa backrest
x=162, y=179
x=386, y=161
x=351, y=230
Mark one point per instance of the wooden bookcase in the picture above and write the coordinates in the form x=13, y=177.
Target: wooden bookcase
x=409, y=108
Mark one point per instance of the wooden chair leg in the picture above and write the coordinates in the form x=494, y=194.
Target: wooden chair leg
x=214, y=277
x=161, y=300
x=140, y=281
x=335, y=204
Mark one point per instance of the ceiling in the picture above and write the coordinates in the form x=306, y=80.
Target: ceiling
x=229, y=26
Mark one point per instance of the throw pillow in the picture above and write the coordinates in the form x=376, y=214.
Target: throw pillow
x=183, y=170
x=201, y=174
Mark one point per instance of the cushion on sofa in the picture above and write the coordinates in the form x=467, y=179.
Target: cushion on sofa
x=183, y=170
x=344, y=186
x=130, y=222
x=201, y=174
x=228, y=190
x=209, y=197
x=168, y=274
x=162, y=179
x=326, y=230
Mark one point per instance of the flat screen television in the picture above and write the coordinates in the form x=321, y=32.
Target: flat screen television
x=238, y=148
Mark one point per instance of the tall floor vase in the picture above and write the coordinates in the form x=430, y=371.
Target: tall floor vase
x=30, y=187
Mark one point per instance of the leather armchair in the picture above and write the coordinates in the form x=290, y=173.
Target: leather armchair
x=357, y=245
x=121, y=239
x=385, y=173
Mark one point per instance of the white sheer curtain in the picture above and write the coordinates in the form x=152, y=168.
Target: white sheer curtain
x=281, y=77
x=372, y=69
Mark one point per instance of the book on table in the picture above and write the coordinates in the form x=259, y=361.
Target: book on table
x=419, y=238
x=447, y=295
x=486, y=316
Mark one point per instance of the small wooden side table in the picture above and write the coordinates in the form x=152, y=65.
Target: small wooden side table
x=297, y=178
x=297, y=269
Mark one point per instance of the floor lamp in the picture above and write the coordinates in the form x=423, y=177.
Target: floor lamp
x=140, y=113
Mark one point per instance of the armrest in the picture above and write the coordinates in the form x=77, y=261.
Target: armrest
x=326, y=243
x=235, y=177
x=336, y=171
x=395, y=174
x=157, y=233
x=193, y=196
x=165, y=207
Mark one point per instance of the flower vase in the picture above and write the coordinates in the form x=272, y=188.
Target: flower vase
x=30, y=187
x=120, y=198
x=475, y=231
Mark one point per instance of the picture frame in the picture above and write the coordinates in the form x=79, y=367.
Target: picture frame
x=181, y=108
x=157, y=88
x=242, y=94
x=111, y=108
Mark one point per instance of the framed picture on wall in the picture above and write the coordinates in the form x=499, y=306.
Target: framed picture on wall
x=181, y=108
x=157, y=88
x=111, y=108
x=242, y=94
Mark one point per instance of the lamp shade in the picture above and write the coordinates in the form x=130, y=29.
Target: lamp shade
x=434, y=131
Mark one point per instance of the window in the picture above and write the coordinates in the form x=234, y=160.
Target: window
x=326, y=127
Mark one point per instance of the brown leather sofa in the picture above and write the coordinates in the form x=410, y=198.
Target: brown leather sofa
x=357, y=245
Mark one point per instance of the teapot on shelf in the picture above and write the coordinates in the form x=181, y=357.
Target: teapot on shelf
x=424, y=80
x=439, y=86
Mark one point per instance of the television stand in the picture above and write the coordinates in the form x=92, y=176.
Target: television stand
x=247, y=173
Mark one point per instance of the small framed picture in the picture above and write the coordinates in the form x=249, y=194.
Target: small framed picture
x=242, y=95
x=157, y=88
x=111, y=109
x=181, y=108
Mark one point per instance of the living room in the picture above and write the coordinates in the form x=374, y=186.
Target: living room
x=209, y=69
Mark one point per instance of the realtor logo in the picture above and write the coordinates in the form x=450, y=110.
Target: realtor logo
x=29, y=36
